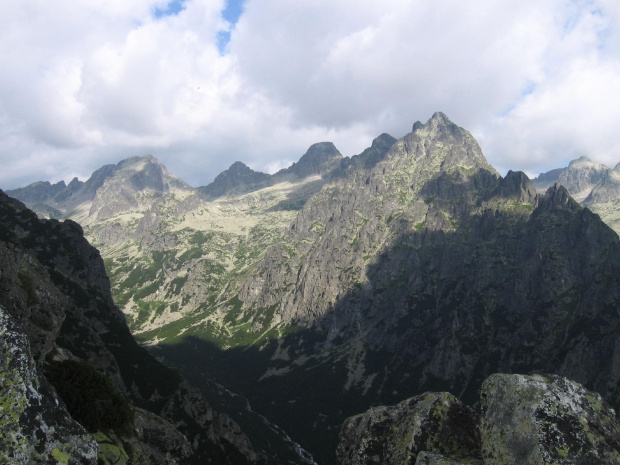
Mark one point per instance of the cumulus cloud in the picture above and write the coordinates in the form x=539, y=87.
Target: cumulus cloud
x=91, y=82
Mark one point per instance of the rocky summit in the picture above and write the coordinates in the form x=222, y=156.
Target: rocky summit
x=305, y=297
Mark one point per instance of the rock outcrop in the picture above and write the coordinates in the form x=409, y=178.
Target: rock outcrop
x=35, y=427
x=546, y=419
x=436, y=422
x=535, y=420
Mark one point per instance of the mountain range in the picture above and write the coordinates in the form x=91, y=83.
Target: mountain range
x=341, y=283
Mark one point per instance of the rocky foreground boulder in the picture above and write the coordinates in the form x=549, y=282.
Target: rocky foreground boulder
x=533, y=420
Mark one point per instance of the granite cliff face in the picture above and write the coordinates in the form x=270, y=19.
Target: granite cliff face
x=59, y=323
x=539, y=419
x=351, y=216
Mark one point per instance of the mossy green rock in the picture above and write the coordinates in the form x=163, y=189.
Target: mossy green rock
x=430, y=458
x=35, y=428
x=532, y=420
x=436, y=422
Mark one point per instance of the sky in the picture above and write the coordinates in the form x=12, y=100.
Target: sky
x=201, y=84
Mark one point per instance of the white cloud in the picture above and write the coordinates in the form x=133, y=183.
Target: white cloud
x=91, y=82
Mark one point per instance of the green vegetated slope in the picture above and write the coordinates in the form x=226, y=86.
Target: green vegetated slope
x=185, y=258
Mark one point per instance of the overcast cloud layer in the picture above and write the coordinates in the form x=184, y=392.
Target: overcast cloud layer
x=92, y=82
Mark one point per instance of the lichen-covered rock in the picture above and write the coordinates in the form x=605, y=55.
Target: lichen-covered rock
x=112, y=451
x=33, y=302
x=156, y=442
x=546, y=420
x=35, y=427
x=435, y=422
x=207, y=425
x=430, y=458
x=164, y=440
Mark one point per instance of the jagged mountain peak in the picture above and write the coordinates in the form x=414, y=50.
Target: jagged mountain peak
x=585, y=164
x=146, y=166
x=239, y=166
x=320, y=158
x=145, y=172
x=381, y=139
x=590, y=183
x=417, y=125
x=605, y=195
x=557, y=196
x=581, y=161
x=440, y=118
x=129, y=186
x=517, y=185
x=437, y=146
x=237, y=179
x=439, y=121
x=320, y=148
x=137, y=161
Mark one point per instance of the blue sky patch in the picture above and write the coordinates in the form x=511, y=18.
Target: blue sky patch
x=231, y=13
x=172, y=9
x=529, y=88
